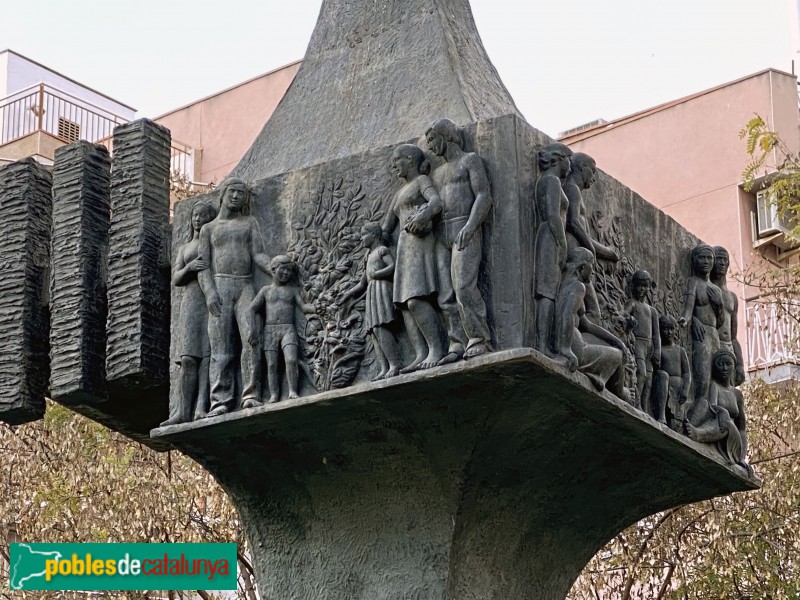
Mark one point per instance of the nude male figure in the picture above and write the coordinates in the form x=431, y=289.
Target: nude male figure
x=233, y=247
x=729, y=329
x=463, y=187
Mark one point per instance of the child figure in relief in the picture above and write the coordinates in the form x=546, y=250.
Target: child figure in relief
x=279, y=300
x=673, y=379
x=647, y=343
x=380, y=311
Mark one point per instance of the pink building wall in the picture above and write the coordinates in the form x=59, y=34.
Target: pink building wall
x=687, y=159
x=223, y=126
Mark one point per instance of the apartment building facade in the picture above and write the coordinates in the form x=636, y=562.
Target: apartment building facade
x=41, y=109
x=687, y=158
x=217, y=130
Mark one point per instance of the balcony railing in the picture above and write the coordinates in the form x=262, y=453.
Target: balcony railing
x=181, y=159
x=43, y=108
x=772, y=333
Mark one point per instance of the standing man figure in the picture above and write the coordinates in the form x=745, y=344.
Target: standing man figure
x=466, y=200
x=729, y=329
x=232, y=245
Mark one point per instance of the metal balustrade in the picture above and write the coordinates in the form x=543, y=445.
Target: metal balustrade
x=772, y=333
x=44, y=108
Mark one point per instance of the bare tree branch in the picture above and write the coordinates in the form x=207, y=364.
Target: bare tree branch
x=663, y=518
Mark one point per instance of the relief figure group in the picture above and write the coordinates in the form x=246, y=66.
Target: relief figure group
x=422, y=307
x=218, y=290
x=692, y=393
x=425, y=289
x=567, y=310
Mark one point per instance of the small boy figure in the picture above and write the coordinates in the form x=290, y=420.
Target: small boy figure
x=643, y=319
x=279, y=300
x=674, y=378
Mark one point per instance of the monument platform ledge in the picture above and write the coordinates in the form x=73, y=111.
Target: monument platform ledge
x=513, y=371
x=513, y=470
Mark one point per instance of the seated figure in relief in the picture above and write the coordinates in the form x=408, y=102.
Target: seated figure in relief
x=582, y=344
x=673, y=379
x=279, y=300
x=720, y=418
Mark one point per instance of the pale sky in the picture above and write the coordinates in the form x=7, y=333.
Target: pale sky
x=565, y=62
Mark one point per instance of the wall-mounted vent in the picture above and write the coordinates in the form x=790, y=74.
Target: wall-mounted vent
x=69, y=131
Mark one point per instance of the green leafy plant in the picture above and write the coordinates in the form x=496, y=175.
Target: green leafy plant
x=775, y=167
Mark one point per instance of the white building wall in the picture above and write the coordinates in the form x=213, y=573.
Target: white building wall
x=22, y=73
x=79, y=110
x=3, y=83
x=4, y=73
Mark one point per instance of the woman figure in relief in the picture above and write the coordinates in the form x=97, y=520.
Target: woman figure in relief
x=551, y=240
x=720, y=418
x=193, y=346
x=415, y=282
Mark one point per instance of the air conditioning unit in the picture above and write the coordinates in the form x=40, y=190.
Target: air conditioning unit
x=768, y=220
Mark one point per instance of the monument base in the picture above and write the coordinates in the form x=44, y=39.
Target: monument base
x=499, y=477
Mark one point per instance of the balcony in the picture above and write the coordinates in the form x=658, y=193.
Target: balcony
x=772, y=338
x=37, y=120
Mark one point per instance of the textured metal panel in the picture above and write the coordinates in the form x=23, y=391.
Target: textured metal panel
x=138, y=286
x=25, y=195
x=79, y=306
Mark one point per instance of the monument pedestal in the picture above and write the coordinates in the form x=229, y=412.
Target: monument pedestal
x=499, y=477
x=495, y=478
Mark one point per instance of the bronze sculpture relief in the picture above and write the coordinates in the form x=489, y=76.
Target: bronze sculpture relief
x=463, y=186
x=551, y=241
x=194, y=349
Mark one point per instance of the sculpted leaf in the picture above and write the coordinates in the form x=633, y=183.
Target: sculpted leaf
x=330, y=247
